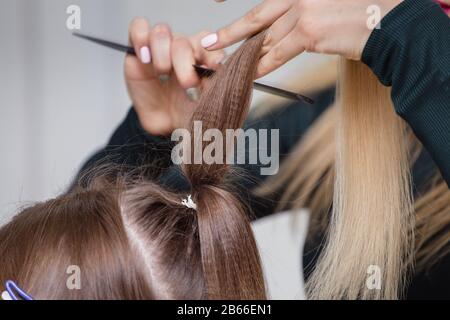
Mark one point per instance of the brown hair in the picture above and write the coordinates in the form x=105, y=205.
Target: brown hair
x=136, y=240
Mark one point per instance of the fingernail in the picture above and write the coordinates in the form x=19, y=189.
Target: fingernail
x=145, y=55
x=209, y=40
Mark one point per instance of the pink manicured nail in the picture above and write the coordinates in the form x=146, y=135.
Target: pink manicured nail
x=209, y=40
x=145, y=55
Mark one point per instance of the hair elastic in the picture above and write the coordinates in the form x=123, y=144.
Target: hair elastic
x=11, y=289
x=189, y=203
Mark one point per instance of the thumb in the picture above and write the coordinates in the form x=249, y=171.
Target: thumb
x=254, y=21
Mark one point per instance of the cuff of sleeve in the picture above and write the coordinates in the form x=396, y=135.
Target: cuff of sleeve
x=411, y=53
x=383, y=49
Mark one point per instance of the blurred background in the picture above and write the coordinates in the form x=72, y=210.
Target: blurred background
x=62, y=97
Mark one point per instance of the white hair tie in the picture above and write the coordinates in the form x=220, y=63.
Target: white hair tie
x=189, y=203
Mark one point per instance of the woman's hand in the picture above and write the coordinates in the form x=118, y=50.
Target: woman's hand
x=294, y=26
x=158, y=77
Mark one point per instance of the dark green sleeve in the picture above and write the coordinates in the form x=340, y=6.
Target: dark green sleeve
x=411, y=53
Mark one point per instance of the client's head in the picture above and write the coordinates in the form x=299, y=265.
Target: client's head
x=137, y=242
x=146, y=240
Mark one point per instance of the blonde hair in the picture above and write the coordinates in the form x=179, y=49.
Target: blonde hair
x=355, y=177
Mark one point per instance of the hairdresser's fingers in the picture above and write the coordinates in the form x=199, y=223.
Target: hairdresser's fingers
x=288, y=48
x=138, y=68
x=160, y=44
x=183, y=58
x=211, y=59
x=255, y=20
x=136, y=71
x=139, y=32
x=279, y=29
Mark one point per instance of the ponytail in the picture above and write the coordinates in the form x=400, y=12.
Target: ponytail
x=160, y=243
x=229, y=254
x=230, y=259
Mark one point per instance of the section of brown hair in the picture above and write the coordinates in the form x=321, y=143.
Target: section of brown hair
x=136, y=240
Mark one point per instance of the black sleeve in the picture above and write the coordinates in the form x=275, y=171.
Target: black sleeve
x=411, y=53
x=432, y=283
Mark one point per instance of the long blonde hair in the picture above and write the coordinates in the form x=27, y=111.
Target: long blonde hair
x=352, y=170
